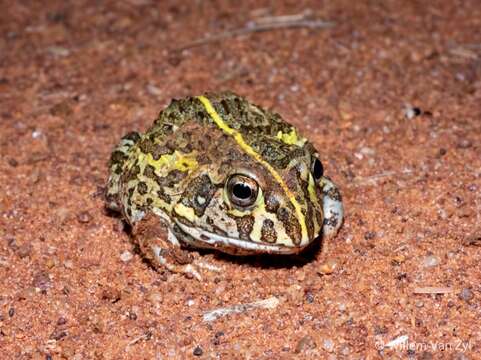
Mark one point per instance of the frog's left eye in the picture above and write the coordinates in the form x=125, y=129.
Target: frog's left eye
x=242, y=190
x=317, y=169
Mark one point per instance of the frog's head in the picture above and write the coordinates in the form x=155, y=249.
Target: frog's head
x=258, y=191
x=247, y=205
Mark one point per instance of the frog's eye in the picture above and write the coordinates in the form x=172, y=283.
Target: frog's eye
x=317, y=169
x=242, y=190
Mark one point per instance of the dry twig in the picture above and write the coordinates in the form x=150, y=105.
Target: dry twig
x=433, y=290
x=373, y=179
x=261, y=25
x=269, y=303
x=145, y=336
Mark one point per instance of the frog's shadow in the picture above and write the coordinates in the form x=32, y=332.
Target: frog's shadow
x=263, y=261
x=270, y=261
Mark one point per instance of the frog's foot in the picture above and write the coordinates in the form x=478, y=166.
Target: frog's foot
x=176, y=261
x=332, y=208
x=160, y=246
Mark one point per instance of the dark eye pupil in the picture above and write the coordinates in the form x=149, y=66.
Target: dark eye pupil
x=317, y=169
x=242, y=191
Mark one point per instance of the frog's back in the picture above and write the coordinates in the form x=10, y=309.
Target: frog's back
x=275, y=140
x=235, y=111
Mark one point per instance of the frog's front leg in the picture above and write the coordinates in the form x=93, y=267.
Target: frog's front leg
x=160, y=246
x=332, y=208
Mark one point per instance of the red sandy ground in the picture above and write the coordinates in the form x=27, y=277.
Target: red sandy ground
x=75, y=77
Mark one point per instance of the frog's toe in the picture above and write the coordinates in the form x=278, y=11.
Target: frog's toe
x=332, y=208
x=173, y=266
x=193, y=268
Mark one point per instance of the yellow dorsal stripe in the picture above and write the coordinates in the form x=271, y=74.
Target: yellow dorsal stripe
x=250, y=151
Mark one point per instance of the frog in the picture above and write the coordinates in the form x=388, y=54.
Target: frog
x=216, y=171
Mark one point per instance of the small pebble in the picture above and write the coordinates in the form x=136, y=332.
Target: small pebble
x=305, y=343
x=465, y=144
x=50, y=263
x=36, y=134
x=370, y=235
x=12, y=243
x=154, y=90
x=84, y=217
x=126, y=256
x=24, y=250
x=345, y=350
x=154, y=297
x=349, y=239
x=328, y=267
x=473, y=240
x=3, y=261
x=51, y=250
x=398, y=260
x=11, y=312
x=58, y=51
x=430, y=261
x=411, y=112
x=367, y=151
x=58, y=334
x=309, y=297
x=472, y=187
x=111, y=294
x=41, y=281
x=186, y=341
x=328, y=345
x=198, y=351
x=62, y=214
x=132, y=315
x=466, y=294
x=380, y=330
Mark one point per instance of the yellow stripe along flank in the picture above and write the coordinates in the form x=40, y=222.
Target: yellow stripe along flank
x=249, y=150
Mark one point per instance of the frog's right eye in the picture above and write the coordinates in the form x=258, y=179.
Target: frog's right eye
x=242, y=190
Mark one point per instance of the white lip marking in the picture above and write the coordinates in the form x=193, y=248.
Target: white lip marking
x=219, y=241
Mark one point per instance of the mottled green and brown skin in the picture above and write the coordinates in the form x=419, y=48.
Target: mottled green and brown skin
x=174, y=184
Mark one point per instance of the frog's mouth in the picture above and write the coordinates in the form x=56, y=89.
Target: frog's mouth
x=232, y=245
